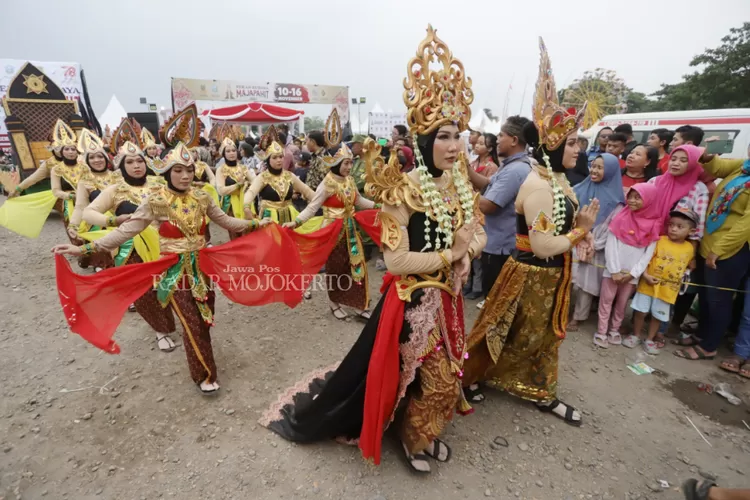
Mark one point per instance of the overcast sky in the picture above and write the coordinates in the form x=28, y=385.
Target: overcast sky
x=132, y=48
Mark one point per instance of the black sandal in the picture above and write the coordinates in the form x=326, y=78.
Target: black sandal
x=474, y=395
x=212, y=392
x=419, y=457
x=338, y=309
x=568, y=418
x=436, y=442
x=693, y=490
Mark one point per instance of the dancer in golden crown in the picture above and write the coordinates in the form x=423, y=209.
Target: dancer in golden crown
x=232, y=179
x=514, y=343
x=412, y=349
x=151, y=150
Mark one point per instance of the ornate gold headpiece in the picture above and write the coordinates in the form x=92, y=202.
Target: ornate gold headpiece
x=128, y=148
x=89, y=143
x=179, y=155
x=62, y=135
x=127, y=131
x=436, y=97
x=147, y=140
x=181, y=127
x=333, y=129
x=553, y=122
x=270, y=144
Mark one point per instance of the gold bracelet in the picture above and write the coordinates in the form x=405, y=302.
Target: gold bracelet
x=470, y=251
x=88, y=249
x=111, y=221
x=575, y=236
x=252, y=224
x=444, y=259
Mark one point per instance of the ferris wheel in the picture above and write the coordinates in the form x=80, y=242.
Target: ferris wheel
x=605, y=93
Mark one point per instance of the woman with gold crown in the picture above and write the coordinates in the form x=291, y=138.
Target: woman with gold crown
x=115, y=206
x=232, y=179
x=151, y=150
x=184, y=287
x=89, y=188
x=411, y=352
x=514, y=343
x=275, y=186
x=337, y=194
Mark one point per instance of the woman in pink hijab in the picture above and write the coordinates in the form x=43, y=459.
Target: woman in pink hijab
x=680, y=188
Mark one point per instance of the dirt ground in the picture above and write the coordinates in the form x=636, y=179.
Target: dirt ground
x=81, y=424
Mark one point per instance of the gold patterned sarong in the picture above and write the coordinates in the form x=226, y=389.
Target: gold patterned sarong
x=514, y=343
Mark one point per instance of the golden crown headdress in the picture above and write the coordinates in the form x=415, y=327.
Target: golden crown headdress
x=127, y=148
x=553, y=121
x=90, y=143
x=62, y=136
x=147, y=139
x=270, y=144
x=179, y=155
x=182, y=127
x=332, y=136
x=436, y=97
x=127, y=131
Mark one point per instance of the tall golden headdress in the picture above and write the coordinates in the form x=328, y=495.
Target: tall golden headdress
x=225, y=137
x=553, y=122
x=181, y=127
x=127, y=131
x=179, y=155
x=270, y=144
x=333, y=133
x=436, y=97
x=62, y=135
x=89, y=143
x=147, y=140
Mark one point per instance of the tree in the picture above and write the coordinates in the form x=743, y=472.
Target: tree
x=638, y=102
x=724, y=81
x=314, y=123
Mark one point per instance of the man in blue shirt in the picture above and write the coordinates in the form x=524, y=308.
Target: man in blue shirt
x=498, y=202
x=602, y=147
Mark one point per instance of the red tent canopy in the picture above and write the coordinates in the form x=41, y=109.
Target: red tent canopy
x=254, y=112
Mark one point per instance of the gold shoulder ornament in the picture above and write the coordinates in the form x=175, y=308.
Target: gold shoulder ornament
x=384, y=182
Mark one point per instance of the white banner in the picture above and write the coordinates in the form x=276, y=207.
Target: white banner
x=381, y=124
x=67, y=76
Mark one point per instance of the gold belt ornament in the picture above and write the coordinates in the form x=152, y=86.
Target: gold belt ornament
x=276, y=205
x=407, y=284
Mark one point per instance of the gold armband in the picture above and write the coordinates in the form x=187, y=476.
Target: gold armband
x=445, y=260
x=111, y=221
x=470, y=251
x=575, y=236
x=252, y=224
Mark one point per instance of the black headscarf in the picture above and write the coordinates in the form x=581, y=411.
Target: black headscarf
x=69, y=162
x=580, y=172
x=129, y=179
x=425, y=143
x=531, y=136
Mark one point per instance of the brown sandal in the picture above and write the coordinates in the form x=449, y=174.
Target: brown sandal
x=744, y=370
x=732, y=364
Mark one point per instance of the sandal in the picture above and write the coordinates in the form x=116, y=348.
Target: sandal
x=339, y=313
x=572, y=326
x=473, y=393
x=418, y=459
x=444, y=451
x=365, y=315
x=699, y=354
x=732, y=364
x=600, y=339
x=650, y=347
x=686, y=340
x=569, y=410
x=631, y=341
x=614, y=338
x=168, y=342
x=131, y=308
x=693, y=490
x=212, y=391
x=307, y=295
x=745, y=370
x=660, y=341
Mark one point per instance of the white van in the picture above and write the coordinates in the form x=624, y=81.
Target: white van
x=732, y=124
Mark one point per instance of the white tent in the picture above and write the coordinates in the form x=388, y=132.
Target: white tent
x=113, y=115
x=483, y=123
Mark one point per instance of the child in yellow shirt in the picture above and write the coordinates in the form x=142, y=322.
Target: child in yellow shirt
x=660, y=283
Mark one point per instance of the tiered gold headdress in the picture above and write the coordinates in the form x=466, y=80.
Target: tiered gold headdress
x=553, y=122
x=436, y=97
x=270, y=144
x=89, y=143
x=333, y=139
x=147, y=140
x=225, y=137
x=62, y=135
x=181, y=127
x=127, y=131
x=179, y=155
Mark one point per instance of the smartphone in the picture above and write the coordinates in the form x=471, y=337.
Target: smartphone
x=383, y=142
x=720, y=147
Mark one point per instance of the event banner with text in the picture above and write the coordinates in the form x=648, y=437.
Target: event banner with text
x=187, y=90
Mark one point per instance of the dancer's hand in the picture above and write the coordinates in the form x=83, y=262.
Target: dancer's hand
x=122, y=219
x=289, y=225
x=72, y=232
x=461, y=273
x=462, y=239
x=587, y=215
x=265, y=222
x=67, y=250
x=13, y=194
